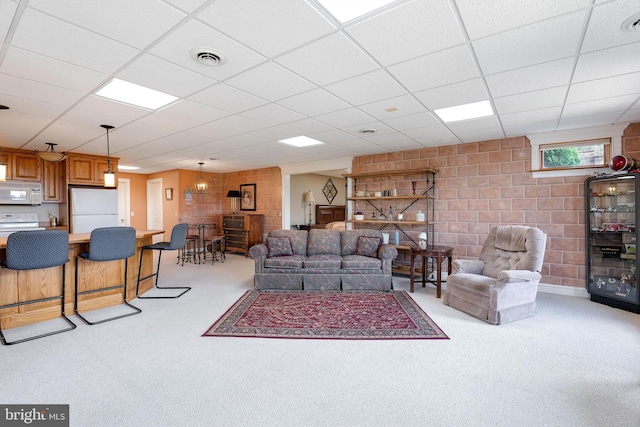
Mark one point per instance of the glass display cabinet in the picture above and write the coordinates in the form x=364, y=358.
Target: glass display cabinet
x=611, y=240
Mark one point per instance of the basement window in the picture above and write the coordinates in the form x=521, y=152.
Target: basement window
x=575, y=155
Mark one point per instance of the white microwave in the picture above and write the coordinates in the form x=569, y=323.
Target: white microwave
x=20, y=193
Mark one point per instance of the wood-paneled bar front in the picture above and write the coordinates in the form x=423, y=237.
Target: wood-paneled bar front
x=33, y=284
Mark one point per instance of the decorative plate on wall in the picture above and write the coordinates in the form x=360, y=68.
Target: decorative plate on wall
x=330, y=191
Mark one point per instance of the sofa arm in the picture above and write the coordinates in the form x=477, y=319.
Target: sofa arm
x=259, y=252
x=469, y=266
x=386, y=254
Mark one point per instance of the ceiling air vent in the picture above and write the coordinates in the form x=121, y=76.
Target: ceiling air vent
x=206, y=56
x=632, y=23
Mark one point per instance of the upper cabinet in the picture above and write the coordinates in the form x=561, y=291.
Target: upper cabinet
x=21, y=165
x=88, y=170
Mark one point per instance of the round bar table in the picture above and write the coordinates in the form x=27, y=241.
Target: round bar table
x=437, y=252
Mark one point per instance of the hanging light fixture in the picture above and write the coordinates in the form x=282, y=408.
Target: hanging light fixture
x=50, y=155
x=109, y=176
x=201, y=184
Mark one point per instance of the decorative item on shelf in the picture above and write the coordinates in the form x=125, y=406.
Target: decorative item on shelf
x=420, y=216
x=330, y=191
x=50, y=154
x=359, y=216
x=201, y=183
x=622, y=163
x=396, y=237
x=234, y=195
x=413, y=187
x=400, y=217
x=308, y=198
x=422, y=240
x=109, y=175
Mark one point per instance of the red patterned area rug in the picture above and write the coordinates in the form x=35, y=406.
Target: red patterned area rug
x=326, y=315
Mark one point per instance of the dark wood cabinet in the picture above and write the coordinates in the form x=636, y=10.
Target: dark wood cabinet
x=242, y=231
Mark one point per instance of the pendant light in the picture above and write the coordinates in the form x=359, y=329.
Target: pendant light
x=50, y=155
x=109, y=176
x=201, y=184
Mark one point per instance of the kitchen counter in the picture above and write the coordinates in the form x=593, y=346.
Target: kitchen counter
x=32, y=284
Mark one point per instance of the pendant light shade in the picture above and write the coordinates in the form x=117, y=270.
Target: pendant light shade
x=234, y=195
x=109, y=175
x=50, y=155
x=201, y=184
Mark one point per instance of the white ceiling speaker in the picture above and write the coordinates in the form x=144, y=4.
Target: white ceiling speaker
x=207, y=56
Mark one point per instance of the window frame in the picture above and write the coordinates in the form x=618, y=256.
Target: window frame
x=606, y=142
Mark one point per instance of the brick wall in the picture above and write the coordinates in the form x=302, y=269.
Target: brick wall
x=487, y=183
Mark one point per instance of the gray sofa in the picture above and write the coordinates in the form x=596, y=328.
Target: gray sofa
x=321, y=259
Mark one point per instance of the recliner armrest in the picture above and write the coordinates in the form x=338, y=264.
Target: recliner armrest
x=512, y=276
x=468, y=266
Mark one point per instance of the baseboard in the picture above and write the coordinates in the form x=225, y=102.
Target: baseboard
x=563, y=290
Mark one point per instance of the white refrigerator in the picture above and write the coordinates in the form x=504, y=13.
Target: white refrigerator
x=91, y=208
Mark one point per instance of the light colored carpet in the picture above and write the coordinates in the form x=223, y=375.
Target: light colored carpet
x=576, y=363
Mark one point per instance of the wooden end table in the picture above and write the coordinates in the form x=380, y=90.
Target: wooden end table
x=437, y=252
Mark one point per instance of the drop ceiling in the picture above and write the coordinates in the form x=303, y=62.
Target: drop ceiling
x=290, y=68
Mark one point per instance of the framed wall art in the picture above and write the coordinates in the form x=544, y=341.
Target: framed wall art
x=168, y=193
x=248, y=197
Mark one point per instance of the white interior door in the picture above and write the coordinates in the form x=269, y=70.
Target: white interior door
x=124, y=202
x=154, y=207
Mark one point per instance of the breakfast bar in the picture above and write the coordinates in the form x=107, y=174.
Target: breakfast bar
x=33, y=284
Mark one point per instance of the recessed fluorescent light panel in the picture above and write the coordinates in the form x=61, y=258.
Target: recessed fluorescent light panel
x=346, y=10
x=301, y=141
x=474, y=110
x=127, y=168
x=131, y=93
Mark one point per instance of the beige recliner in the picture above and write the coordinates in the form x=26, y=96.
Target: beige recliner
x=501, y=286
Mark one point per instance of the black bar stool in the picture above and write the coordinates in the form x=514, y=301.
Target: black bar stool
x=31, y=250
x=178, y=237
x=109, y=244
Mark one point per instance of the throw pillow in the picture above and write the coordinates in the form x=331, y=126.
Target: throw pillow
x=368, y=246
x=279, y=246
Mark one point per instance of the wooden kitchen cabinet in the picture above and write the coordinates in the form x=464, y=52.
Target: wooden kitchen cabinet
x=88, y=170
x=21, y=165
x=52, y=182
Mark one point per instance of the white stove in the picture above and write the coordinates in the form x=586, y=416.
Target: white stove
x=10, y=223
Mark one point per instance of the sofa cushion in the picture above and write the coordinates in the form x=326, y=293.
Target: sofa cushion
x=349, y=239
x=368, y=246
x=327, y=261
x=298, y=239
x=359, y=262
x=293, y=261
x=279, y=246
x=323, y=242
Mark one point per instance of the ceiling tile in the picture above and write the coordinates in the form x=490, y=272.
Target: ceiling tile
x=588, y=121
x=483, y=18
x=120, y=20
x=456, y=94
x=314, y=103
x=188, y=5
x=530, y=45
x=7, y=11
x=404, y=105
x=267, y=26
x=413, y=121
x=527, y=79
x=348, y=117
x=609, y=62
x=438, y=69
x=194, y=111
x=423, y=27
x=227, y=98
x=367, y=88
x=270, y=81
x=605, y=105
x=604, y=88
x=272, y=115
x=328, y=60
x=431, y=136
x=305, y=126
x=531, y=116
x=70, y=43
x=605, y=30
x=531, y=100
x=23, y=88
